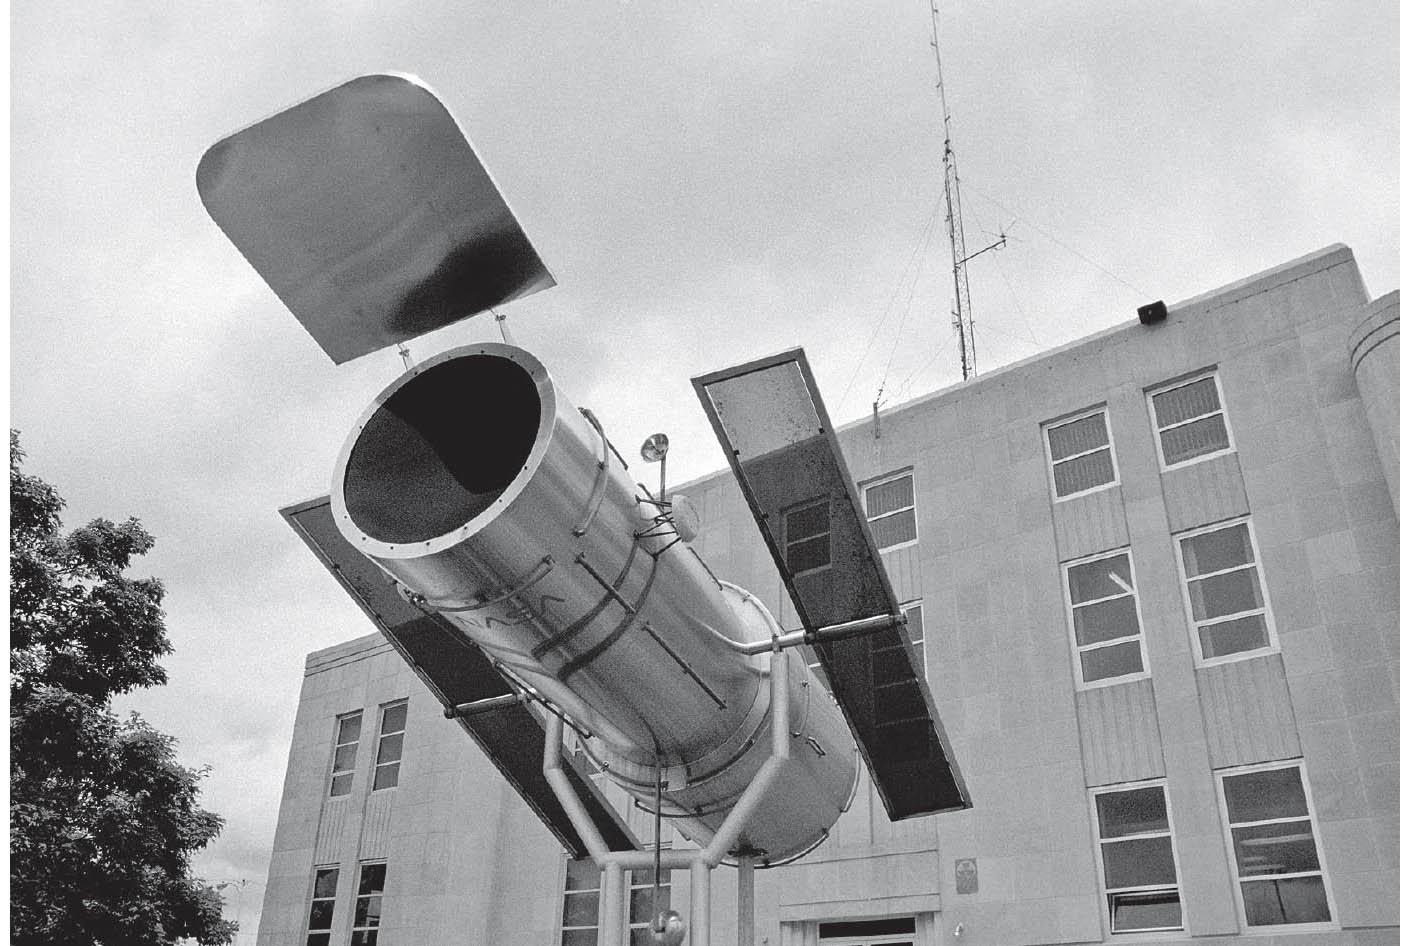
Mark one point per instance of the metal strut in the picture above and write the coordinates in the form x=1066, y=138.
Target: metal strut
x=658, y=926
x=485, y=705
x=700, y=862
x=833, y=632
x=632, y=612
x=571, y=666
x=528, y=694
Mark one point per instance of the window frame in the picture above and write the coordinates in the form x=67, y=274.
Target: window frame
x=313, y=900
x=373, y=929
x=915, y=604
x=907, y=473
x=1049, y=426
x=1069, y=610
x=1185, y=381
x=1299, y=764
x=380, y=735
x=827, y=503
x=1273, y=644
x=336, y=746
x=631, y=884
x=1106, y=892
x=598, y=890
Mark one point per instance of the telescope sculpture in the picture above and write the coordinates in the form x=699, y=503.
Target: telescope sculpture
x=489, y=528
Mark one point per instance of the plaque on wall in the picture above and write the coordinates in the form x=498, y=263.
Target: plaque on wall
x=966, y=875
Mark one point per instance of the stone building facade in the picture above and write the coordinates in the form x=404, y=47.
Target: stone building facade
x=1154, y=574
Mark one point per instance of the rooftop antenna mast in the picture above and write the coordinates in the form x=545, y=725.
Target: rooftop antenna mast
x=962, y=318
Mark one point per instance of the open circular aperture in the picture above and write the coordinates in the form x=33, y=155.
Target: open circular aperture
x=441, y=449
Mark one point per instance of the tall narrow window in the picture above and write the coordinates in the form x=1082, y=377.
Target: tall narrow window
x=1105, y=618
x=1223, y=586
x=323, y=905
x=806, y=538
x=391, y=745
x=1080, y=453
x=1189, y=421
x=1137, y=860
x=365, y=931
x=891, y=511
x=1272, y=833
x=343, y=762
x=916, y=630
x=579, y=917
x=640, y=904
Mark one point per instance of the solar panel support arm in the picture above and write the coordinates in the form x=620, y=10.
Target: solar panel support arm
x=833, y=632
x=486, y=705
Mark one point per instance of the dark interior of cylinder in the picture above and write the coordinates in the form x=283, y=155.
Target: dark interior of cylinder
x=442, y=449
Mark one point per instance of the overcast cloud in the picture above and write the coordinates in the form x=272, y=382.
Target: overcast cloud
x=708, y=182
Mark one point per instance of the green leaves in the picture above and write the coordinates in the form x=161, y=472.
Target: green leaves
x=76, y=621
x=103, y=819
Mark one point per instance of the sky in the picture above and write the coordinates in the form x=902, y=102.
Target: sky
x=709, y=183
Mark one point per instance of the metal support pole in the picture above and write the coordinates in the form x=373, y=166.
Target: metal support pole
x=745, y=901
x=560, y=785
x=502, y=324
x=699, y=863
x=701, y=903
x=750, y=799
x=612, y=906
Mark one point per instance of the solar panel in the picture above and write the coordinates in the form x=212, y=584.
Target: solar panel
x=782, y=448
x=369, y=214
x=457, y=672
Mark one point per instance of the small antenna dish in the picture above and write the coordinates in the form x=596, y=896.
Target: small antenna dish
x=654, y=448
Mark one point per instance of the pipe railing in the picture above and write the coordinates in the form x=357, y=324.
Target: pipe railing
x=702, y=861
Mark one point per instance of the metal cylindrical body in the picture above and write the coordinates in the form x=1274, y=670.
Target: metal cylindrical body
x=475, y=483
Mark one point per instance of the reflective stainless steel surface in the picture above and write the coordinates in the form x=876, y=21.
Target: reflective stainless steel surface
x=501, y=507
x=369, y=214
